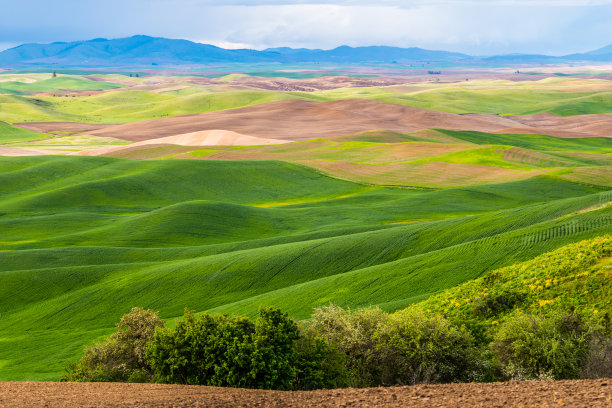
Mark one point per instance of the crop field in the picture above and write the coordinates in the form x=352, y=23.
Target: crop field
x=416, y=160
x=86, y=238
x=112, y=98
x=362, y=191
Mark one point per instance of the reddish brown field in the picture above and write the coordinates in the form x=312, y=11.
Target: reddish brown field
x=575, y=394
x=301, y=85
x=302, y=120
x=430, y=174
x=46, y=127
x=595, y=125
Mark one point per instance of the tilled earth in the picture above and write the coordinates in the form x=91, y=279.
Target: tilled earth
x=583, y=393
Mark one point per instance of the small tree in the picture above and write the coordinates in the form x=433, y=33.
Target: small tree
x=220, y=350
x=415, y=348
x=273, y=350
x=353, y=334
x=207, y=349
x=538, y=347
x=319, y=364
x=122, y=356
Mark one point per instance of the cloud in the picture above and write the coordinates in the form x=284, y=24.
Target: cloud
x=7, y=45
x=473, y=26
x=394, y=3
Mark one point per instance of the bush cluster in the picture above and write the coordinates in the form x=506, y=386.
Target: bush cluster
x=228, y=351
x=338, y=348
x=407, y=347
x=213, y=349
x=121, y=357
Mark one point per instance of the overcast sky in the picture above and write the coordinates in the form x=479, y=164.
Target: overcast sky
x=477, y=27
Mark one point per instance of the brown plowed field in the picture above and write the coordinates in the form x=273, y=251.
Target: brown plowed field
x=593, y=125
x=46, y=127
x=302, y=84
x=302, y=120
x=575, y=394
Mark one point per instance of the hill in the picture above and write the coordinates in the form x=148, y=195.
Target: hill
x=601, y=54
x=12, y=134
x=87, y=238
x=574, y=278
x=145, y=50
x=305, y=120
x=97, y=99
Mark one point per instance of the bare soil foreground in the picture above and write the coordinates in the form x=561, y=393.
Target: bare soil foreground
x=583, y=393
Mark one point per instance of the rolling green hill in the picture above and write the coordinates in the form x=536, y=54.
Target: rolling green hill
x=84, y=239
x=373, y=219
x=497, y=98
x=419, y=160
x=70, y=83
x=13, y=134
x=576, y=277
x=560, y=96
x=131, y=105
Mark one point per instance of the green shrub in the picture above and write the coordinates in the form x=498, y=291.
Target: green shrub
x=228, y=351
x=353, y=334
x=273, y=350
x=206, y=349
x=319, y=364
x=493, y=304
x=340, y=348
x=538, y=347
x=122, y=356
x=414, y=348
x=407, y=347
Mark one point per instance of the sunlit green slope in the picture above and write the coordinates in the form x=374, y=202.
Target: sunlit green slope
x=62, y=83
x=84, y=239
x=576, y=277
x=13, y=134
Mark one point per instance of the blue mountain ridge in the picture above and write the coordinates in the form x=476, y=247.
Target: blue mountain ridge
x=146, y=50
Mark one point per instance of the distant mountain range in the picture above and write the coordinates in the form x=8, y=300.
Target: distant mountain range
x=143, y=50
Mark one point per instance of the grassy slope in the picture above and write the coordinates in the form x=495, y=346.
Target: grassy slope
x=535, y=142
x=576, y=277
x=464, y=158
x=130, y=105
x=80, y=247
x=13, y=134
x=562, y=96
x=72, y=83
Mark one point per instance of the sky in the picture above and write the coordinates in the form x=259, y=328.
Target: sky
x=476, y=27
